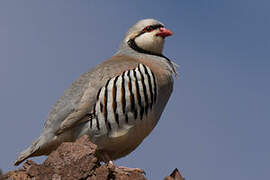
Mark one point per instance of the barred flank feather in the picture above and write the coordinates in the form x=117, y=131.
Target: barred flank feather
x=133, y=91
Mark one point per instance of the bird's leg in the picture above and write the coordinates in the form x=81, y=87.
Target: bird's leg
x=120, y=169
x=107, y=159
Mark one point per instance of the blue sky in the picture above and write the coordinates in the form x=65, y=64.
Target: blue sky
x=216, y=124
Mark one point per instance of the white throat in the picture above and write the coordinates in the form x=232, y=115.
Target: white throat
x=150, y=42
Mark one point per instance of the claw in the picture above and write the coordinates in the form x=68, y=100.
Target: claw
x=120, y=169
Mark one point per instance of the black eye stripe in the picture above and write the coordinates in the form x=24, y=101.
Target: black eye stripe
x=151, y=28
x=157, y=26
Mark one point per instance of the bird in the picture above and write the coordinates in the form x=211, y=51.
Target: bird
x=118, y=102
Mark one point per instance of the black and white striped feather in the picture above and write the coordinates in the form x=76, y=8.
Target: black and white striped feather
x=124, y=99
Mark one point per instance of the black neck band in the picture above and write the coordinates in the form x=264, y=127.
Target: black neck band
x=135, y=47
x=132, y=44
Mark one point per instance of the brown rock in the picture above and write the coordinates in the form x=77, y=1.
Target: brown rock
x=75, y=160
x=71, y=160
x=175, y=175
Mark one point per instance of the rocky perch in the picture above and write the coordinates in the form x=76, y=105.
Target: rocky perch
x=75, y=160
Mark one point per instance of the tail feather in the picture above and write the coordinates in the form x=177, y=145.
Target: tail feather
x=29, y=152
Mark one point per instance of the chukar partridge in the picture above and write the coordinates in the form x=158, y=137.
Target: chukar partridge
x=118, y=102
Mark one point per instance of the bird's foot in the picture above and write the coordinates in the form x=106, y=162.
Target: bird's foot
x=122, y=169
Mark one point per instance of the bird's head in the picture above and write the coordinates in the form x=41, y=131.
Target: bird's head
x=147, y=35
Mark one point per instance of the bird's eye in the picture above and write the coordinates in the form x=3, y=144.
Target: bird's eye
x=148, y=29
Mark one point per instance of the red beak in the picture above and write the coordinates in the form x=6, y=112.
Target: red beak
x=163, y=32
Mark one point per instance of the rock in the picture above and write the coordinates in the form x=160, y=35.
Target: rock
x=175, y=175
x=71, y=160
x=75, y=160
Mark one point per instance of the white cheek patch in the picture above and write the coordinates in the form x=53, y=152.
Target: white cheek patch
x=150, y=42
